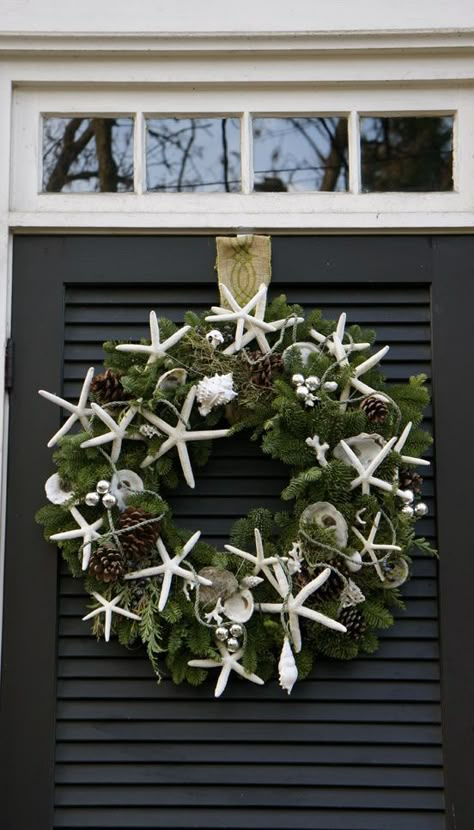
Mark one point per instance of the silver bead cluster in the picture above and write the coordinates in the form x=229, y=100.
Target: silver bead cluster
x=230, y=635
x=101, y=493
x=305, y=388
x=417, y=511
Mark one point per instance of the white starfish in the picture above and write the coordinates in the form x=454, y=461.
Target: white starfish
x=118, y=431
x=408, y=459
x=329, y=343
x=109, y=607
x=259, y=561
x=366, y=476
x=156, y=349
x=359, y=370
x=80, y=412
x=88, y=532
x=228, y=662
x=254, y=323
x=369, y=546
x=179, y=435
x=294, y=607
x=171, y=567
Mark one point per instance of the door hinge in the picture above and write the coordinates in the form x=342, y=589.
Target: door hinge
x=9, y=349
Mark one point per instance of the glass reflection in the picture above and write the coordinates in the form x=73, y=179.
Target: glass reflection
x=299, y=154
x=406, y=154
x=187, y=155
x=87, y=155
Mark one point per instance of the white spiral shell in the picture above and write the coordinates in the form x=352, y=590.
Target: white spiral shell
x=287, y=669
x=215, y=391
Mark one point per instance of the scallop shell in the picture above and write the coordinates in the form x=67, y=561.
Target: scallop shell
x=170, y=380
x=326, y=516
x=55, y=491
x=239, y=607
x=396, y=573
x=366, y=446
x=305, y=349
x=125, y=483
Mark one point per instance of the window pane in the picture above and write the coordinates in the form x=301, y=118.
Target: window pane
x=406, y=154
x=87, y=155
x=185, y=155
x=300, y=154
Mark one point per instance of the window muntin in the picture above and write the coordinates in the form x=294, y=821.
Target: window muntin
x=300, y=154
x=87, y=155
x=189, y=155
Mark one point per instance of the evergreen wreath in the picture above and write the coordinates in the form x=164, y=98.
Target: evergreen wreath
x=318, y=580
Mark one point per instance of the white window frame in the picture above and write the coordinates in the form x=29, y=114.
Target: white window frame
x=201, y=211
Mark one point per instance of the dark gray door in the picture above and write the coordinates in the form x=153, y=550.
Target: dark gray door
x=89, y=739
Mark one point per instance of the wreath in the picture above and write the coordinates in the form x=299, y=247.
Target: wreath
x=319, y=579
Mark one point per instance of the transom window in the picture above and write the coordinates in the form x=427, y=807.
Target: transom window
x=291, y=154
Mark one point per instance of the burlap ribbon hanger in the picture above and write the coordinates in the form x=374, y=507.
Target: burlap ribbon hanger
x=243, y=264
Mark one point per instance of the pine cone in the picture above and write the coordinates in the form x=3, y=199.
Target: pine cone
x=139, y=541
x=354, y=621
x=409, y=480
x=107, y=388
x=266, y=368
x=331, y=589
x=375, y=408
x=107, y=564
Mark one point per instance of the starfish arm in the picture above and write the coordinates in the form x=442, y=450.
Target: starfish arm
x=222, y=679
x=67, y=534
x=311, y=587
x=134, y=347
x=262, y=341
x=222, y=316
x=419, y=462
x=164, y=426
x=156, y=570
x=359, y=347
x=50, y=396
x=165, y=589
x=317, y=335
x=295, y=631
x=371, y=361
x=379, y=457
x=386, y=547
x=125, y=613
x=316, y=616
x=355, y=461
x=242, y=553
x=185, y=463
x=254, y=678
x=99, y=440
x=63, y=430
x=339, y=351
x=83, y=397
x=286, y=323
x=86, y=553
x=384, y=485
x=154, y=330
x=116, y=450
x=403, y=437
x=341, y=326
x=162, y=551
x=107, y=623
x=204, y=664
x=279, y=581
x=363, y=388
x=239, y=330
x=93, y=613
x=270, y=607
x=104, y=416
x=167, y=445
x=187, y=548
x=357, y=533
x=187, y=406
x=231, y=301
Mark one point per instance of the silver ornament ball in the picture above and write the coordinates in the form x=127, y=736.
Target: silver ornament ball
x=232, y=644
x=222, y=634
x=408, y=496
x=92, y=499
x=109, y=501
x=407, y=510
x=297, y=379
x=236, y=630
x=421, y=509
x=312, y=382
x=302, y=391
x=103, y=486
x=330, y=385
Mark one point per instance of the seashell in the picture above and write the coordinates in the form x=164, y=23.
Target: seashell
x=170, y=380
x=305, y=349
x=396, y=572
x=214, y=338
x=124, y=484
x=251, y=581
x=55, y=492
x=354, y=562
x=326, y=516
x=351, y=595
x=366, y=446
x=215, y=391
x=239, y=607
x=224, y=584
x=287, y=669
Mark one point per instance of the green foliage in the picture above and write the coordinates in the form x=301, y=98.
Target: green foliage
x=281, y=423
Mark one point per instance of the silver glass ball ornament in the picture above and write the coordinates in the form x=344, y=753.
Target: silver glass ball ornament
x=421, y=509
x=236, y=630
x=232, y=644
x=222, y=633
x=103, y=486
x=408, y=496
x=312, y=382
x=407, y=510
x=330, y=385
x=297, y=379
x=92, y=499
x=302, y=391
x=109, y=501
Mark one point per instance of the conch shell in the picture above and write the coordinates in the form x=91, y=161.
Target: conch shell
x=288, y=671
